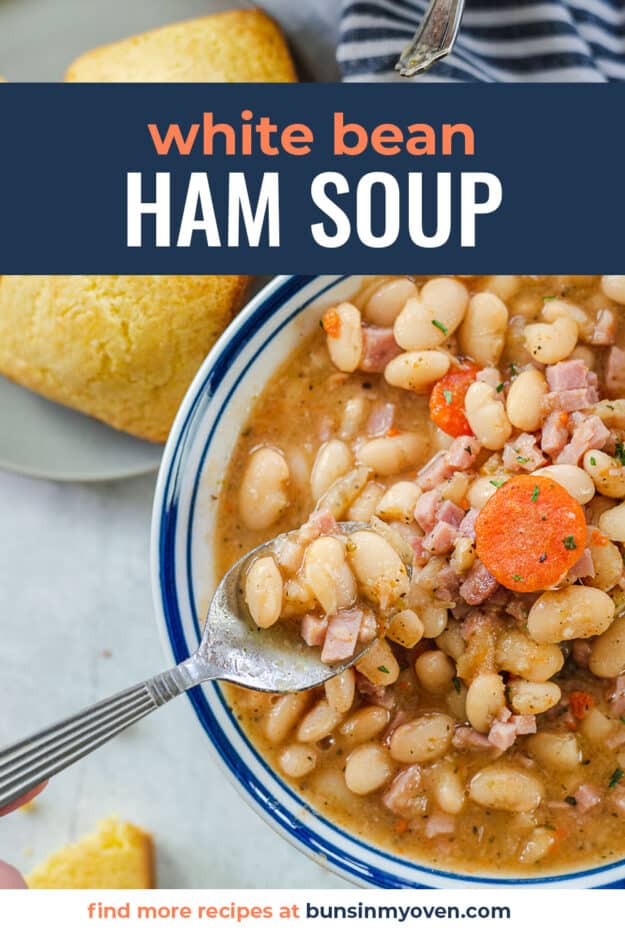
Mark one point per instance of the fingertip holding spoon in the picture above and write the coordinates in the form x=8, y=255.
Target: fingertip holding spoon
x=434, y=39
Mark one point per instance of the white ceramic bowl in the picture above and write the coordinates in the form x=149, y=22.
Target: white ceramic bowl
x=195, y=459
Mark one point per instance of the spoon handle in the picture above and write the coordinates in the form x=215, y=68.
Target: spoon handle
x=38, y=757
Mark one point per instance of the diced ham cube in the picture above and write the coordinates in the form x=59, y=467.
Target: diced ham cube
x=604, y=332
x=447, y=584
x=439, y=824
x=314, y=629
x=489, y=376
x=319, y=522
x=289, y=554
x=524, y=724
x=502, y=735
x=403, y=796
x=617, y=741
x=615, y=372
x=450, y=513
x=434, y=472
x=440, y=539
x=575, y=399
x=589, y=433
x=467, y=525
x=463, y=452
x=582, y=650
x=618, y=798
x=567, y=375
x=554, y=433
x=583, y=568
x=427, y=508
x=381, y=419
x=479, y=584
x=341, y=636
x=465, y=737
x=378, y=348
x=523, y=453
x=587, y=796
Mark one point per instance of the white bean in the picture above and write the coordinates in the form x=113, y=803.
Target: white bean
x=446, y=296
x=538, y=845
x=607, y=561
x=558, y=751
x=551, y=342
x=556, y=309
x=420, y=327
x=406, y=628
x=434, y=619
x=328, y=575
x=364, y=507
x=334, y=459
x=345, y=343
x=263, y=497
x=486, y=415
x=607, y=658
x=378, y=568
x=435, y=671
x=263, y=592
x=368, y=768
x=572, y=612
x=503, y=285
x=524, y=404
x=504, y=788
x=384, y=305
x=318, y=723
x=422, y=740
x=340, y=690
x=365, y=724
x=614, y=287
x=486, y=698
x=530, y=697
x=297, y=760
x=518, y=653
x=284, y=714
x=448, y=789
x=576, y=481
x=483, y=332
x=596, y=726
x=484, y=488
x=417, y=371
x=607, y=473
x=390, y=455
x=612, y=523
x=398, y=502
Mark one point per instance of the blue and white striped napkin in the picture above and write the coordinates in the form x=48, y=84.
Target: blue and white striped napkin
x=499, y=40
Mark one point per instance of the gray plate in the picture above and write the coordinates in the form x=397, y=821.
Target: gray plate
x=39, y=438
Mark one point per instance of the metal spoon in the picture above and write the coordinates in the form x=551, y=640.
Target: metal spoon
x=275, y=660
x=434, y=38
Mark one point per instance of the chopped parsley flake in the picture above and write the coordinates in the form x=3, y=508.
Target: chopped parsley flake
x=500, y=388
x=535, y=493
x=547, y=298
x=569, y=542
x=617, y=775
x=522, y=459
x=384, y=669
x=513, y=369
x=619, y=452
x=439, y=325
x=515, y=576
x=571, y=800
x=448, y=396
x=456, y=682
x=593, y=461
x=496, y=483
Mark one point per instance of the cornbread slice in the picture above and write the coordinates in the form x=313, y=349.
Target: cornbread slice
x=123, y=349
x=235, y=46
x=117, y=856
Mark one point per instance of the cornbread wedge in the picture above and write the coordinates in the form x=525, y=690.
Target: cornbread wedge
x=117, y=856
x=235, y=46
x=121, y=349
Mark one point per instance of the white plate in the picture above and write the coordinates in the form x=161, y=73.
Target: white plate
x=39, y=438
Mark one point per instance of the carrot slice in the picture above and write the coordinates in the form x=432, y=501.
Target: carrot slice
x=580, y=702
x=529, y=533
x=447, y=400
x=331, y=323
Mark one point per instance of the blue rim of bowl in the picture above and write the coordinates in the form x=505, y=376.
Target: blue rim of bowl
x=164, y=525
